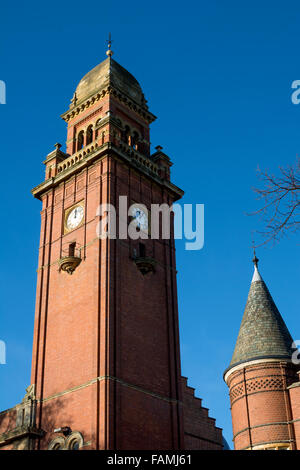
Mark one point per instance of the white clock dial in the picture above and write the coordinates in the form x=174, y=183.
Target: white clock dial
x=140, y=218
x=75, y=217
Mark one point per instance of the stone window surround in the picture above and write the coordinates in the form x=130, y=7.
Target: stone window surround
x=66, y=442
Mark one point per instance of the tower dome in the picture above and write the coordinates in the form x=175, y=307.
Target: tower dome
x=109, y=72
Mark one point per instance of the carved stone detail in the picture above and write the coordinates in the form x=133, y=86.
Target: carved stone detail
x=25, y=432
x=69, y=263
x=145, y=265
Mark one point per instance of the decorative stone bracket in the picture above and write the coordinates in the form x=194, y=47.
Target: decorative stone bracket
x=145, y=265
x=69, y=263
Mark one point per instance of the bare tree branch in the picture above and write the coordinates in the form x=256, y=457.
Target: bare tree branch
x=281, y=202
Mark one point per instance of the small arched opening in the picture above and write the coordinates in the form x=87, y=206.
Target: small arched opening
x=135, y=140
x=89, y=135
x=80, y=140
x=126, y=135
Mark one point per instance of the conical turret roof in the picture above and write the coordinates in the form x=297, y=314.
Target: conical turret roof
x=263, y=333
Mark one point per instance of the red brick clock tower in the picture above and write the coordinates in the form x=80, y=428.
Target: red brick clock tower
x=106, y=361
x=106, y=347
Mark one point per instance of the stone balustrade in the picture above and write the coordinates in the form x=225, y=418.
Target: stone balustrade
x=77, y=157
x=87, y=150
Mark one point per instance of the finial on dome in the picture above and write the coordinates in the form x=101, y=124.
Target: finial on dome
x=109, y=52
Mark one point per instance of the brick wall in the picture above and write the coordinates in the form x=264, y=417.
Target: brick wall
x=294, y=391
x=260, y=404
x=200, y=431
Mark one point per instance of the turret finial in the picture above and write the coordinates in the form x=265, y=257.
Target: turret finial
x=256, y=275
x=109, y=52
x=255, y=259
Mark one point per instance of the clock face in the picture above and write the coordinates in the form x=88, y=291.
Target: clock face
x=140, y=218
x=75, y=217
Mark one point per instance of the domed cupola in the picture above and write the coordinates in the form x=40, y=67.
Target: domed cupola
x=108, y=106
x=109, y=73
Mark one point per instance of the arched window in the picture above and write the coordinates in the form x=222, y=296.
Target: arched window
x=126, y=135
x=74, y=445
x=57, y=446
x=80, y=139
x=97, y=131
x=89, y=135
x=134, y=140
x=74, y=441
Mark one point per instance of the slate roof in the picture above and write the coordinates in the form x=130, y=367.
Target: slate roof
x=263, y=333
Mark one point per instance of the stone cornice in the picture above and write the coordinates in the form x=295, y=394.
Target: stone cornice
x=110, y=90
x=82, y=120
x=263, y=360
x=20, y=433
x=114, y=379
x=294, y=385
x=56, y=154
x=132, y=158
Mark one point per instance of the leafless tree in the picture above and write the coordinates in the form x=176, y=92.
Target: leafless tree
x=281, y=202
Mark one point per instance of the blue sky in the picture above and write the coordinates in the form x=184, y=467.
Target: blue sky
x=218, y=76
